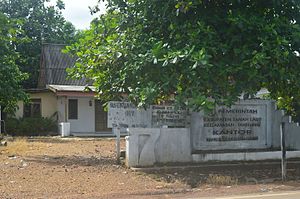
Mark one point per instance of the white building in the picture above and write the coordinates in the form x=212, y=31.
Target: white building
x=65, y=99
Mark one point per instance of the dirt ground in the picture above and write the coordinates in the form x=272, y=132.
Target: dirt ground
x=86, y=168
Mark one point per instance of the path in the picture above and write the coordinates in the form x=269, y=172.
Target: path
x=280, y=195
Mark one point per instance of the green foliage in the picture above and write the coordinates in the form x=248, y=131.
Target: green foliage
x=291, y=105
x=200, y=53
x=10, y=75
x=40, y=24
x=31, y=126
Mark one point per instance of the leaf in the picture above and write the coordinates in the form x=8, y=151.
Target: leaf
x=174, y=61
x=195, y=65
x=165, y=63
x=238, y=51
x=118, y=55
x=157, y=48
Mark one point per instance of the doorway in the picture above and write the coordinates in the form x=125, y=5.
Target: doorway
x=100, y=118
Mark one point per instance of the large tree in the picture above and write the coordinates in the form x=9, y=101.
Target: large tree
x=201, y=52
x=10, y=76
x=40, y=24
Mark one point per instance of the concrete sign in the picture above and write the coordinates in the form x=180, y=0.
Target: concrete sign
x=126, y=115
x=242, y=126
x=168, y=116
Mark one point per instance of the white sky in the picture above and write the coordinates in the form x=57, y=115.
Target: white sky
x=78, y=13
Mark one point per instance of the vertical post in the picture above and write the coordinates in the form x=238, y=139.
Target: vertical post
x=117, y=133
x=0, y=121
x=66, y=109
x=283, y=151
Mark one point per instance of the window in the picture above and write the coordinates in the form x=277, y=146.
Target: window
x=33, y=108
x=73, y=109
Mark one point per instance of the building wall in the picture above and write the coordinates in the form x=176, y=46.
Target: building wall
x=61, y=103
x=48, y=104
x=86, y=114
x=52, y=104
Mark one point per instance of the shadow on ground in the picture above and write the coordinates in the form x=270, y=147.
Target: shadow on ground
x=243, y=174
x=58, y=139
x=50, y=140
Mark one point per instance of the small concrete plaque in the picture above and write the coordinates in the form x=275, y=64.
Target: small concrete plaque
x=168, y=116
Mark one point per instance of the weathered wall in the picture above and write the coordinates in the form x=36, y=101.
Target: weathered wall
x=292, y=131
x=147, y=146
x=48, y=104
x=292, y=136
x=150, y=146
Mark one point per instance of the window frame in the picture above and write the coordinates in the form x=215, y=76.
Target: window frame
x=29, y=108
x=72, y=110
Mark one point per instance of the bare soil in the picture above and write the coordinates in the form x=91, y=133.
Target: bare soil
x=86, y=168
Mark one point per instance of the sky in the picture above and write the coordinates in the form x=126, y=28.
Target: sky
x=78, y=13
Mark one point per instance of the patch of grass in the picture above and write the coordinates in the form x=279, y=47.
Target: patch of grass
x=215, y=179
x=19, y=146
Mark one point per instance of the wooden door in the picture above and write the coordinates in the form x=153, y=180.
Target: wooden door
x=100, y=118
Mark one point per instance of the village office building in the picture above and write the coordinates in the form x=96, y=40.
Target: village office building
x=65, y=100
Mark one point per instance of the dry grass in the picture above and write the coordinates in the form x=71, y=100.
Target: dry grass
x=18, y=147
x=221, y=180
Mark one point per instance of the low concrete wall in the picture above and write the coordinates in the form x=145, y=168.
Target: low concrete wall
x=292, y=136
x=148, y=146
x=145, y=147
x=247, y=156
x=292, y=131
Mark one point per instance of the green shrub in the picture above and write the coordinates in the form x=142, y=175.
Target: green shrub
x=39, y=126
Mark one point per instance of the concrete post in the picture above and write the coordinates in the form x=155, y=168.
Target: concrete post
x=118, y=140
x=283, y=150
